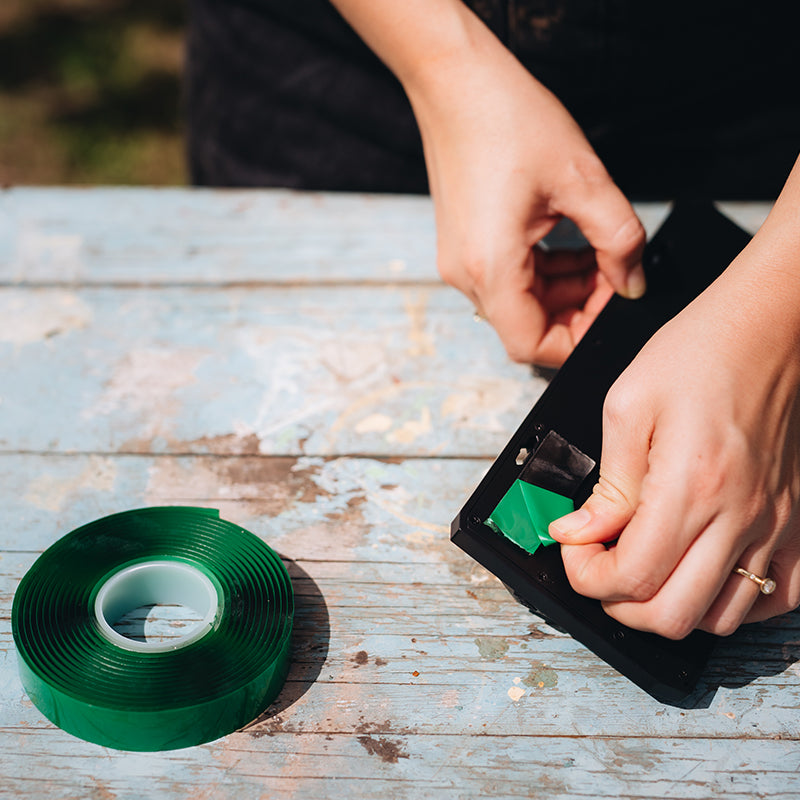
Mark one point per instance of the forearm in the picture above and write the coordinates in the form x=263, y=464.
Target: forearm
x=418, y=40
x=777, y=243
x=767, y=277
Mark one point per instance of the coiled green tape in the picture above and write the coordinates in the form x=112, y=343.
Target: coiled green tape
x=129, y=694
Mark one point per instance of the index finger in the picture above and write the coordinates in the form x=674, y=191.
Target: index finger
x=597, y=206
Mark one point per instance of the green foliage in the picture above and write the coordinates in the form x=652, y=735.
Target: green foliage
x=90, y=91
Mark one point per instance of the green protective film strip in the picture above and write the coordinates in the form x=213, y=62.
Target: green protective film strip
x=525, y=513
x=132, y=695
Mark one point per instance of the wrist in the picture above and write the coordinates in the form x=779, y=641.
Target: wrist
x=453, y=51
x=757, y=319
x=416, y=39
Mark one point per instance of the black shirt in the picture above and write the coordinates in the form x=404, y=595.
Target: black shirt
x=677, y=98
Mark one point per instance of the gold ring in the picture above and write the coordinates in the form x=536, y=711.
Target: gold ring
x=767, y=585
x=477, y=316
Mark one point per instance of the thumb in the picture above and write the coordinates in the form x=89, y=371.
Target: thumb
x=623, y=466
x=607, y=220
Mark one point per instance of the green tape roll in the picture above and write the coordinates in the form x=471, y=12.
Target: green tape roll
x=130, y=694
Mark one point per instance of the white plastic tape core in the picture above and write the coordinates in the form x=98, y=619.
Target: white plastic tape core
x=156, y=583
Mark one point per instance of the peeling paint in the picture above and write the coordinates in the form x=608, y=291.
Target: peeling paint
x=350, y=360
x=412, y=429
x=491, y=647
x=374, y=423
x=449, y=698
x=261, y=485
x=420, y=339
x=387, y=750
x=51, y=493
x=34, y=316
x=535, y=632
x=482, y=403
x=41, y=255
x=515, y=693
x=422, y=526
x=145, y=382
x=541, y=677
x=240, y=444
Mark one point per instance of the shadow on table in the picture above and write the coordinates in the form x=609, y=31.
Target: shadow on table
x=310, y=638
x=760, y=650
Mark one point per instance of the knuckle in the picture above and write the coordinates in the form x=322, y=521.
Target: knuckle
x=520, y=352
x=627, y=586
x=638, y=588
x=707, y=482
x=586, y=168
x=630, y=236
x=758, y=516
x=726, y=625
x=620, y=405
x=792, y=598
x=674, y=627
x=723, y=469
x=465, y=270
x=607, y=495
x=449, y=269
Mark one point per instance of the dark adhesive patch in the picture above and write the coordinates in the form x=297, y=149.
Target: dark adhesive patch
x=557, y=465
x=543, y=492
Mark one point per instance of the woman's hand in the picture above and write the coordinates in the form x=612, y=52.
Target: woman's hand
x=506, y=162
x=700, y=470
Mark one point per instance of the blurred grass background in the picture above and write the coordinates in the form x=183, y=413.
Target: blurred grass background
x=90, y=92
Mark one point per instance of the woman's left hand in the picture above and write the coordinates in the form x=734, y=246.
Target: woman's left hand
x=700, y=469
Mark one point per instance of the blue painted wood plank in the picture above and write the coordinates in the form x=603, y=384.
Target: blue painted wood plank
x=383, y=510
x=120, y=235
x=386, y=370
x=163, y=236
x=374, y=763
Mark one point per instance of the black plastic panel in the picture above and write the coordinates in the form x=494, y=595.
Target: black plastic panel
x=693, y=246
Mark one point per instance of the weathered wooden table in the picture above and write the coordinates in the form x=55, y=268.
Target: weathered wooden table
x=293, y=361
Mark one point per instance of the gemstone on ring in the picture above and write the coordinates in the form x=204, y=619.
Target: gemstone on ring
x=766, y=585
x=769, y=586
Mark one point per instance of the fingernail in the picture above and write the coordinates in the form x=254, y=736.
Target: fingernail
x=571, y=523
x=635, y=284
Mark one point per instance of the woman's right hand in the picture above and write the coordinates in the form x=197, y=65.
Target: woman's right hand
x=506, y=162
